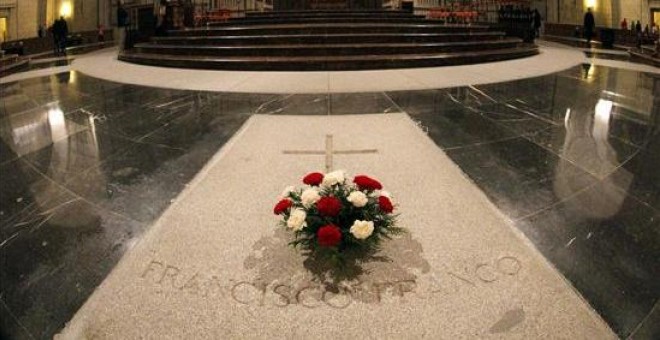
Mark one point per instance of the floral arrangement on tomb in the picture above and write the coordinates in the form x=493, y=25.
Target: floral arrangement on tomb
x=332, y=216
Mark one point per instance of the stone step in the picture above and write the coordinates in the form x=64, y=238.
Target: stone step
x=327, y=49
x=329, y=28
x=327, y=40
x=16, y=65
x=328, y=13
x=301, y=20
x=644, y=58
x=8, y=59
x=361, y=38
x=327, y=63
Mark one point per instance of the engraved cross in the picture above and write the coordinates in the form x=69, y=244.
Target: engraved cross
x=328, y=152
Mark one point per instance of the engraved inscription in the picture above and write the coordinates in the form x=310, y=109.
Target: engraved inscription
x=307, y=293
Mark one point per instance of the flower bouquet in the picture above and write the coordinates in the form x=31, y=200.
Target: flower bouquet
x=333, y=219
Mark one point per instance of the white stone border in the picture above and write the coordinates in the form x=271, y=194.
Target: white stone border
x=553, y=58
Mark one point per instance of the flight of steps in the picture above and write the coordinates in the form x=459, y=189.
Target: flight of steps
x=646, y=55
x=327, y=40
x=12, y=63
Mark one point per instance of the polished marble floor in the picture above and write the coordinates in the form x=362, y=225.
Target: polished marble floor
x=572, y=158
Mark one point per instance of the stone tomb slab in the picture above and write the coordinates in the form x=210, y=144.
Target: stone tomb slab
x=215, y=265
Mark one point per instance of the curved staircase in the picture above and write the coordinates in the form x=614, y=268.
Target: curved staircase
x=325, y=41
x=12, y=63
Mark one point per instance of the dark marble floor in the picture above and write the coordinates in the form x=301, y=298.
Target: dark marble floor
x=573, y=159
x=87, y=165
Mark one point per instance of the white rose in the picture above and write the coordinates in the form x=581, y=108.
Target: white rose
x=362, y=229
x=358, y=198
x=332, y=178
x=287, y=191
x=296, y=220
x=309, y=197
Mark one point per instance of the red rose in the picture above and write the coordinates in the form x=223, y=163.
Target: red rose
x=328, y=235
x=367, y=183
x=385, y=204
x=328, y=206
x=282, y=206
x=314, y=178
